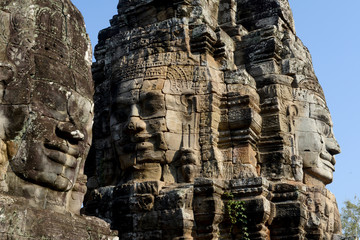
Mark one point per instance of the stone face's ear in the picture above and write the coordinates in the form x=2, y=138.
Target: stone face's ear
x=292, y=112
x=296, y=160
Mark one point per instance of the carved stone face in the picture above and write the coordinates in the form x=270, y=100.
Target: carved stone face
x=316, y=143
x=47, y=102
x=56, y=138
x=151, y=120
x=137, y=126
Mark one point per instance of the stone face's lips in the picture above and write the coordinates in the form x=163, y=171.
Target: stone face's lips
x=62, y=158
x=327, y=156
x=64, y=154
x=138, y=142
x=137, y=146
x=329, y=165
x=67, y=148
x=137, y=138
x=328, y=160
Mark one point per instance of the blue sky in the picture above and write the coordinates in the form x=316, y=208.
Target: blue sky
x=330, y=30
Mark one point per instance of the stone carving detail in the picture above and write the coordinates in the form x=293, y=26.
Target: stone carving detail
x=197, y=98
x=46, y=113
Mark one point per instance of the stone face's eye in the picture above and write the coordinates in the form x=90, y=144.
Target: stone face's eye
x=324, y=128
x=152, y=105
x=120, y=113
x=50, y=100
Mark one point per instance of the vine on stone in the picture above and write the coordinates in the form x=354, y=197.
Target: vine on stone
x=236, y=211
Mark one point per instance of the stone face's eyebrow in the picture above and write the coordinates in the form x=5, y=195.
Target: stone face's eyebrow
x=127, y=98
x=151, y=95
x=128, y=85
x=321, y=113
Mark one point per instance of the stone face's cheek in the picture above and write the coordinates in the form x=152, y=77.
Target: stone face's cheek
x=173, y=140
x=311, y=159
x=156, y=125
x=81, y=112
x=173, y=102
x=119, y=114
x=174, y=121
x=50, y=100
x=305, y=124
x=80, y=108
x=117, y=133
x=310, y=142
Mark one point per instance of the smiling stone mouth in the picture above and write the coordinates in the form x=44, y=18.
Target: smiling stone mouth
x=328, y=162
x=62, y=158
x=328, y=157
x=138, y=138
x=329, y=165
x=65, y=148
x=64, y=154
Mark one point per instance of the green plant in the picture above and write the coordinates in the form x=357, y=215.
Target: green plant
x=236, y=211
x=350, y=218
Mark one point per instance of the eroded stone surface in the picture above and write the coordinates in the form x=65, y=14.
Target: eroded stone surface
x=46, y=113
x=198, y=98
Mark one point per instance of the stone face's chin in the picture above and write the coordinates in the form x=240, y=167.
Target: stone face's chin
x=319, y=168
x=63, y=184
x=62, y=158
x=150, y=155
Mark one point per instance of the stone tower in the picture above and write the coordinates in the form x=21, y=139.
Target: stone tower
x=204, y=105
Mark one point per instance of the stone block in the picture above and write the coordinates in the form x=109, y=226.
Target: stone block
x=174, y=140
x=245, y=155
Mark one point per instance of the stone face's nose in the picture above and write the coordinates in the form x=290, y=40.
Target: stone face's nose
x=135, y=125
x=332, y=146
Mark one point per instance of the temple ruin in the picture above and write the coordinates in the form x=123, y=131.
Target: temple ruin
x=209, y=123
